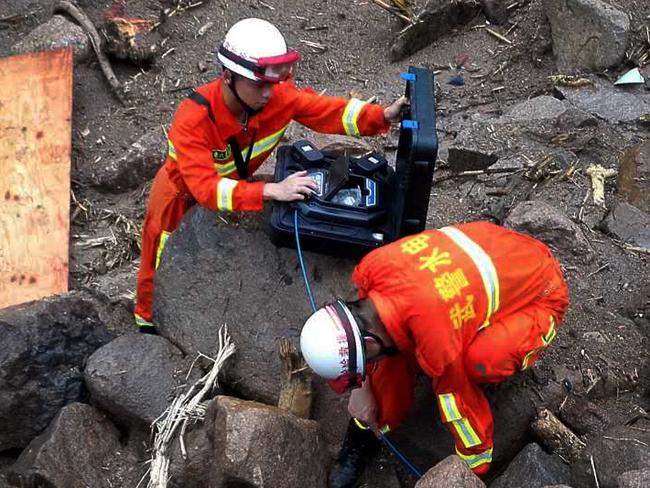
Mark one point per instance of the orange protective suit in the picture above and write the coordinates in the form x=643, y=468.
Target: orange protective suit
x=470, y=304
x=200, y=167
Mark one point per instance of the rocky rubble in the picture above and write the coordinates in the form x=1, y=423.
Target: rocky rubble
x=45, y=346
x=77, y=403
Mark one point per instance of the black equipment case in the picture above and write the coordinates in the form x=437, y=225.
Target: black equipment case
x=362, y=203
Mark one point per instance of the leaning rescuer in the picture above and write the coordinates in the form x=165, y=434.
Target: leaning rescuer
x=468, y=304
x=226, y=129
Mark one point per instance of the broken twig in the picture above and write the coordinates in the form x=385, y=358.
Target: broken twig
x=96, y=42
x=498, y=36
x=393, y=11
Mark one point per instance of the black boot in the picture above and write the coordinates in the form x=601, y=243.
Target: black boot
x=357, y=449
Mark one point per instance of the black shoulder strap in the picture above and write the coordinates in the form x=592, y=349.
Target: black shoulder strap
x=201, y=100
x=240, y=164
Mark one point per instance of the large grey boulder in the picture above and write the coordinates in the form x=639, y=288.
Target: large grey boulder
x=44, y=346
x=619, y=450
x=135, y=377
x=260, y=446
x=533, y=468
x=56, y=33
x=552, y=227
x=633, y=181
x=587, y=34
x=140, y=163
x=80, y=448
x=213, y=273
x=607, y=102
x=451, y=471
x=628, y=224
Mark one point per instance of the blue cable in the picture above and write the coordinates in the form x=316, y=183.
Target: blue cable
x=312, y=302
x=400, y=456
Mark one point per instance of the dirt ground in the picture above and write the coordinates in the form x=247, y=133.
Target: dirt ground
x=610, y=307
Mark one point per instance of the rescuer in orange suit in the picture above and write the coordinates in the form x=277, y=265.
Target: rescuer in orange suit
x=226, y=129
x=468, y=304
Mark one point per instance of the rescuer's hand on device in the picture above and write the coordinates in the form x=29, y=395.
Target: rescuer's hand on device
x=363, y=407
x=393, y=113
x=296, y=186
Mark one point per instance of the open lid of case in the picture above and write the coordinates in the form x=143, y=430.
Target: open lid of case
x=416, y=154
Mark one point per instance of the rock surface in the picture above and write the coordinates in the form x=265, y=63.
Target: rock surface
x=81, y=448
x=620, y=450
x=452, y=471
x=533, y=468
x=633, y=181
x=140, y=163
x=437, y=18
x=45, y=345
x=607, y=102
x=628, y=224
x=531, y=127
x=56, y=33
x=199, y=288
x=634, y=479
x=260, y=446
x=551, y=226
x=135, y=377
x=587, y=34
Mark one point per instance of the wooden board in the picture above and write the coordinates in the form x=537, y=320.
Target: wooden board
x=35, y=140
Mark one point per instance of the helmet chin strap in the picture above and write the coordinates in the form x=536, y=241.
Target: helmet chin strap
x=250, y=111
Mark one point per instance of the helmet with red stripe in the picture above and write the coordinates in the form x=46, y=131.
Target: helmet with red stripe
x=257, y=50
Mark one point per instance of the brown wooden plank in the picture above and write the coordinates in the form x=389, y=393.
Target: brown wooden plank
x=35, y=140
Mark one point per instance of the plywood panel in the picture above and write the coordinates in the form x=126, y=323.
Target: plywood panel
x=35, y=139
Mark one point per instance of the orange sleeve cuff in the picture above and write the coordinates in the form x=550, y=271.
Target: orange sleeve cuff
x=249, y=196
x=372, y=120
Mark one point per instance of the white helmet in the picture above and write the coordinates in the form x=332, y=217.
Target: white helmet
x=256, y=49
x=332, y=343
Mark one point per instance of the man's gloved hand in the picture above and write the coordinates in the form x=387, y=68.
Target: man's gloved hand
x=363, y=406
x=296, y=186
x=393, y=113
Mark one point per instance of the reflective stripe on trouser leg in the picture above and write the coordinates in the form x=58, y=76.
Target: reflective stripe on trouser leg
x=546, y=340
x=476, y=460
x=140, y=322
x=164, y=235
x=461, y=425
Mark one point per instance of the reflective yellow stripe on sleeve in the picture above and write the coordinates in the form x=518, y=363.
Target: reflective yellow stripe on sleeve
x=452, y=415
x=264, y=145
x=164, y=235
x=351, y=115
x=225, y=189
x=225, y=169
x=475, y=460
x=171, y=149
x=484, y=265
